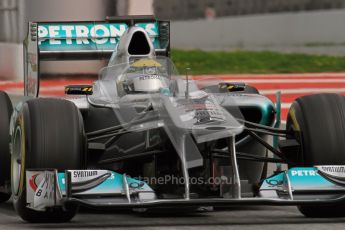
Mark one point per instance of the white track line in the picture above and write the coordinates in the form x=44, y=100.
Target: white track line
x=285, y=105
x=304, y=90
x=10, y=82
x=47, y=88
x=280, y=81
x=17, y=92
x=308, y=75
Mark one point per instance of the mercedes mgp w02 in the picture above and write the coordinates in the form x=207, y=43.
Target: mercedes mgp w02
x=143, y=136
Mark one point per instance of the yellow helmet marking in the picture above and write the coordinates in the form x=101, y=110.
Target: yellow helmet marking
x=146, y=62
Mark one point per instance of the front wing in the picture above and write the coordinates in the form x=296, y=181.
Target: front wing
x=48, y=188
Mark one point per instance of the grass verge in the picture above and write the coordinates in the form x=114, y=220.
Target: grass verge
x=220, y=62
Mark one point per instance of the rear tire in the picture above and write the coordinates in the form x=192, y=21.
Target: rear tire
x=6, y=110
x=320, y=118
x=48, y=133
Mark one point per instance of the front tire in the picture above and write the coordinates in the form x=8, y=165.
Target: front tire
x=319, y=122
x=48, y=133
x=6, y=110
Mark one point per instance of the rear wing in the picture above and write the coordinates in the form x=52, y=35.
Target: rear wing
x=84, y=40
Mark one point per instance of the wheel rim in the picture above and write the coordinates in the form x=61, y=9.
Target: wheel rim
x=17, y=161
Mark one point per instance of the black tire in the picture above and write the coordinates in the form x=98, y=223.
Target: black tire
x=6, y=110
x=320, y=118
x=48, y=133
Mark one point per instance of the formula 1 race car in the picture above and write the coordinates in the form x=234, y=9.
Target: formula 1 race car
x=145, y=137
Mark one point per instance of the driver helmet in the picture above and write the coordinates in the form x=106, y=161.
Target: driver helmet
x=146, y=76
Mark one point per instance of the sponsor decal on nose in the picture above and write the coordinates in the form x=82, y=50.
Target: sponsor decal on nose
x=303, y=173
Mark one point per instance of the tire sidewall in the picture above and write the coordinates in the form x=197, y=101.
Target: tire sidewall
x=21, y=128
x=6, y=111
x=295, y=124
